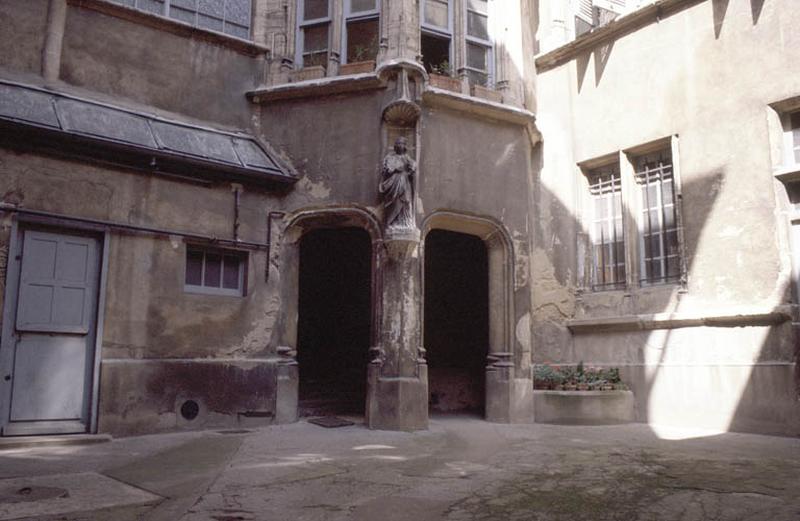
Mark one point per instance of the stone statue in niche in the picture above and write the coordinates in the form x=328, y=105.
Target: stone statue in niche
x=397, y=186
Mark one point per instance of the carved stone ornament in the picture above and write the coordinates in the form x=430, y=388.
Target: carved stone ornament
x=403, y=111
x=397, y=187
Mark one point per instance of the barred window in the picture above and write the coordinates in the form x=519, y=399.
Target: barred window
x=607, y=234
x=231, y=17
x=658, y=227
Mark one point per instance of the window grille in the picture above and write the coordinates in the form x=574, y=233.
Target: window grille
x=658, y=227
x=215, y=272
x=231, y=17
x=607, y=234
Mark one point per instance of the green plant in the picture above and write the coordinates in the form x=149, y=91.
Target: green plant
x=443, y=68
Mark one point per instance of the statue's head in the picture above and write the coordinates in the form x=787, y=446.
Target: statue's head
x=400, y=145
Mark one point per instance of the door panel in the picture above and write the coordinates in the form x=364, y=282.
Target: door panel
x=54, y=337
x=48, y=376
x=57, y=283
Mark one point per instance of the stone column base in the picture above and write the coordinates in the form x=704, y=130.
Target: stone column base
x=508, y=399
x=397, y=403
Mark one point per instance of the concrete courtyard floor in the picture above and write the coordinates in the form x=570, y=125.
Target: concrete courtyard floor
x=461, y=469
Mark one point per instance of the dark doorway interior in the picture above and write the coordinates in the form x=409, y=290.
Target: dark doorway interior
x=456, y=321
x=333, y=330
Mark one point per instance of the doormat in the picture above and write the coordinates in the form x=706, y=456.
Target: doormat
x=330, y=422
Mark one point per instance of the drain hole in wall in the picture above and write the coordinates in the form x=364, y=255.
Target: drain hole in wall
x=190, y=410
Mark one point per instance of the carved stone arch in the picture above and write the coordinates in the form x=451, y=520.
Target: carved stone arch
x=507, y=396
x=299, y=223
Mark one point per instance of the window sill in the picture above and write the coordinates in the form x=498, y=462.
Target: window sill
x=648, y=322
x=176, y=27
x=787, y=174
x=318, y=87
x=213, y=292
x=436, y=97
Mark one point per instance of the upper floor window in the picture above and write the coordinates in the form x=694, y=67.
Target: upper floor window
x=232, y=17
x=361, y=30
x=436, y=35
x=658, y=223
x=313, y=32
x=590, y=14
x=479, y=44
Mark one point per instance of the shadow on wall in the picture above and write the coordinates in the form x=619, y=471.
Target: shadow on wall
x=723, y=377
x=720, y=9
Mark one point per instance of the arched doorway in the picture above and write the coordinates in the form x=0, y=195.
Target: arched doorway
x=333, y=328
x=482, y=251
x=456, y=329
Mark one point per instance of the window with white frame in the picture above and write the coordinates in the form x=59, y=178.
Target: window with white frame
x=313, y=32
x=215, y=271
x=791, y=138
x=632, y=213
x=480, y=50
x=361, y=30
x=231, y=17
x=606, y=228
x=659, y=253
x=436, y=20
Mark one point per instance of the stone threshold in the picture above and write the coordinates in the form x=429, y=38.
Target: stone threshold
x=30, y=442
x=676, y=320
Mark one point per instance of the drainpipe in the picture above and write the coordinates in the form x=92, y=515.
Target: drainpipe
x=54, y=40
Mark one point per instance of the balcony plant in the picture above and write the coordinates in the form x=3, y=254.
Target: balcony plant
x=362, y=60
x=441, y=76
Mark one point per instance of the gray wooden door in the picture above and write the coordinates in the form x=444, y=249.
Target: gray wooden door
x=54, y=334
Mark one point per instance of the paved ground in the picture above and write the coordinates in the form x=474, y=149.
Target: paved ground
x=461, y=469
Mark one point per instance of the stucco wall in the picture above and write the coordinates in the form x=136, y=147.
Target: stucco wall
x=152, y=66
x=161, y=344
x=23, y=31
x=707, y=75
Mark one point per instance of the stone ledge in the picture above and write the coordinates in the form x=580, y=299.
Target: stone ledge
x=583, y=407
x=170, y=25
x=435, y=97
x=677, y=320
x=318, y=87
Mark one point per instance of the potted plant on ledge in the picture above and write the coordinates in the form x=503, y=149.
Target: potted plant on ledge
x=441, y=77
x=361, y=60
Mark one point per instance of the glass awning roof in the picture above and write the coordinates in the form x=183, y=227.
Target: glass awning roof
x=106, y=128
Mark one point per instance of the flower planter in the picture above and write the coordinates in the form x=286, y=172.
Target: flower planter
x=583, y=407
x=314, y=72
x=356, y=67
x=486, y=93
x=445, y=82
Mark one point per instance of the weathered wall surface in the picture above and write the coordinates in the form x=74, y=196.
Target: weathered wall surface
x=23, y=31
x=707, y=75
x=161, y=345
x=148, y=65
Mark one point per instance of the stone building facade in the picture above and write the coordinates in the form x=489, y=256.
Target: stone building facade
x=234, y=213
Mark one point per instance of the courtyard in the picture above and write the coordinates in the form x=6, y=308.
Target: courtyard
x=462, y=468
